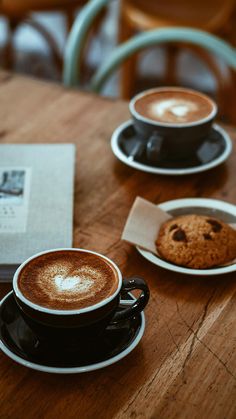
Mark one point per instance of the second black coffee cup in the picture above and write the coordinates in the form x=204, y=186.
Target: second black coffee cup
x=173, y=122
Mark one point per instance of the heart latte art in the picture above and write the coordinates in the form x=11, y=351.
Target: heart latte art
x=174, y=106
x=72, y=283
x=67, y=280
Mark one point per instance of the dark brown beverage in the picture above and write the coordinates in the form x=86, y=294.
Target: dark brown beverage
x=68, y=280
x=174, y=106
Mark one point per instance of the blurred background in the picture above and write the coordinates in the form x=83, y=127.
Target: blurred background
x=33, y=35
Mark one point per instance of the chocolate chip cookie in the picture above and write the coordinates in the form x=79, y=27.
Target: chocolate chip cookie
x=196, y=241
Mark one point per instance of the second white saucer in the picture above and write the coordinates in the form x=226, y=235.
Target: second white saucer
x=214, y=151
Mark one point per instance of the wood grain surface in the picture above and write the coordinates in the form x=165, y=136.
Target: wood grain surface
x=185, y=365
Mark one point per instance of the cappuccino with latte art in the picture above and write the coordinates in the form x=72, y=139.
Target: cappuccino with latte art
x=67, y=280
x=68, y=297
x=174, y=106
x=172, y=122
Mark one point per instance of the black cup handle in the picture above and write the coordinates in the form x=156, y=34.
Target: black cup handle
x=154, y=145
x=138, y=306
x=137, y=150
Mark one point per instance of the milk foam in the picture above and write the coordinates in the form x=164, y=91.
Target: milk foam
x=72, y=283
x=179, y=108
x=67, y=280
x=66, y=284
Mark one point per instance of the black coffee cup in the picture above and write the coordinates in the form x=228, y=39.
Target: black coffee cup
x=72, y=328
x=171, y=140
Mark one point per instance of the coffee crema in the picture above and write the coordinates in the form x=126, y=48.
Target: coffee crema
x=67, y=280
x=174, y=106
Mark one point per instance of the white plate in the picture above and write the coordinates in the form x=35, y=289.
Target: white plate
x=211, y=207
x=169, y=171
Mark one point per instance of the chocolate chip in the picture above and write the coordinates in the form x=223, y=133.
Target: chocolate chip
x=207, y=236
x=216, y=227
x=179, y=235
x=173, y=227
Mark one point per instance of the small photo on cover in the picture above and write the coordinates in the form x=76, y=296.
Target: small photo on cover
x=12, y=185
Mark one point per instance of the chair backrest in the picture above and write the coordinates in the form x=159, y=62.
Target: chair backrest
x=77, y=39
x=139, y=42
x=22, y=7
x=202, y=14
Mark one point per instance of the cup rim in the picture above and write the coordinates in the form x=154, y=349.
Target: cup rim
x=142, y=118
x=51, y=311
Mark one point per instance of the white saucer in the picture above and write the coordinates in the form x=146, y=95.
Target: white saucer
x=124, y=131
x=213, y=207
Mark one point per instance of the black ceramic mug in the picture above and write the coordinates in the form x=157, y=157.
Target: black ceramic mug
x=78, y=326
x=171, y=140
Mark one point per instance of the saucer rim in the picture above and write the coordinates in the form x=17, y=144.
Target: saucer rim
x=185, y=203
x=73, y=370
x=167, y=171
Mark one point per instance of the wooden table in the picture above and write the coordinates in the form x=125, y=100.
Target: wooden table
x=185, y=365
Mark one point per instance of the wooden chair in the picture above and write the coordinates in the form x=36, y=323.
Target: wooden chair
x=210, y=15
x=19, y=11
x=214, y=16
x=77, y=38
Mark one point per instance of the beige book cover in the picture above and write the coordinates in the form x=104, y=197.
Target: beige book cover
x=36, y=201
